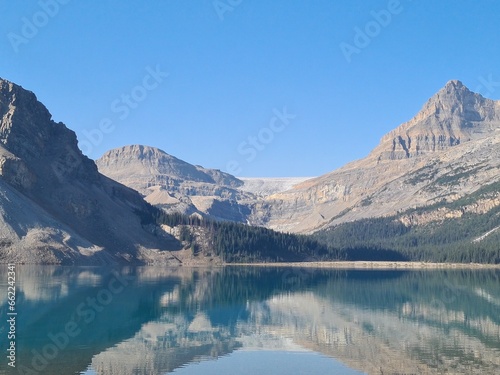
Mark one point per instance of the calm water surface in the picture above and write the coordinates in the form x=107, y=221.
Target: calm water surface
x=232, y=320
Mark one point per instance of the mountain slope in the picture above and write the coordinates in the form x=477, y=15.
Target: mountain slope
x=54, y=205
x=137, y=164
x=176, y=185
x=448, y=150
x=453, y=116
x=464, y=231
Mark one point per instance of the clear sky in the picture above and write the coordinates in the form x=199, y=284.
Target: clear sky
x=253, y=87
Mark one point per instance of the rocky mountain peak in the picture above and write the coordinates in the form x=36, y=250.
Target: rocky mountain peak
x=175, y=185
x=21, y=115
x=454, y=84
x=453, y=90
x=54, y=205
x=454, y=98
x=452, y=116
x=144, y=162
x=449, y=149
x=29, y=135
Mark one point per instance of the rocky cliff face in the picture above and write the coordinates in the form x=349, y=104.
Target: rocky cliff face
x=148, y=165
x=448, y=150
x=54, y=205
x=176, y=185
x=453, y=116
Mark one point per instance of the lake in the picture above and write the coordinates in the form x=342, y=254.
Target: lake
x=251, y=320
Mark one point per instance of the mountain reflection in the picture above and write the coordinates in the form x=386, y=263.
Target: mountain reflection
x=151, y=320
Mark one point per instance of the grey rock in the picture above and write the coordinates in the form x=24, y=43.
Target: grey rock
x=55, y=206
x=448, y=150
x=176, y=185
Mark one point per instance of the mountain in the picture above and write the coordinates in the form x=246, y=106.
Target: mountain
x=432, y=182
x=453, y=116
x=55, y=207
x=149, y=165
x=177, y=186
x=430, y=187
x=447, y=152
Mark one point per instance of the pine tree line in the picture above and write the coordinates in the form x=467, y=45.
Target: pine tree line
x=378, y=239
x=236, y=242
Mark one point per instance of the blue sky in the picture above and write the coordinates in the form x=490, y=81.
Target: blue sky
x=253, y=87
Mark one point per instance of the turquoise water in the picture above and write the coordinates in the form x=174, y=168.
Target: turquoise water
x=248, y=321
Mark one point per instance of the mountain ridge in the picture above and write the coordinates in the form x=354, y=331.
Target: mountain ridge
x=453, y=124
x=452, y=116
x=175, y=185
x=55, y=207
x=455, y=130
x=58, y=206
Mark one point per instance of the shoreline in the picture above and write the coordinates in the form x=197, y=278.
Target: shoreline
x=371, y=265
x=361, y=264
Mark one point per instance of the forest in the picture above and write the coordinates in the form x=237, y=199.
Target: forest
x=236, y=242
x=457, y=240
